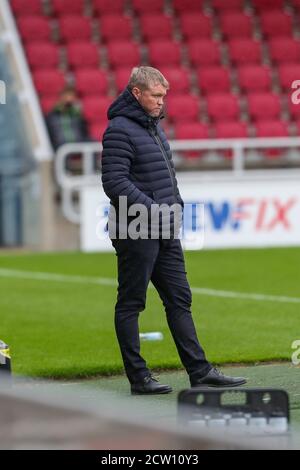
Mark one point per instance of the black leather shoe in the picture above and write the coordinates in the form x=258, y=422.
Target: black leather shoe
x=215, y=378
x=149, y=386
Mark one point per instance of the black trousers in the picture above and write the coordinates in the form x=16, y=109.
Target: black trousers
x=162, y=262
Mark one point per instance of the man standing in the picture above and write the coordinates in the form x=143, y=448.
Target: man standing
x=65, y=122
x=137, y=164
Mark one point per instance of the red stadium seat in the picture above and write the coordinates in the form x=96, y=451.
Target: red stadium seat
x=49, y=82
x=284, y=49
x=231, y=129
x=188, y=5
x=268, y=4
x=244, y=51
x=196, y=25
x=42, y=55
x=29, y=7
x=96, y=130
x=67, y=7
x=273, y=128
x=123, y=54
x=146, y=6
x=164, y=52
x=178, y=77
x=95, y=109
x=154, y=27
x=276, y=23
x=191, y=130
x=255, y=78
x=115, y=27
x=108, y=7
x=287, y=74
x=183, y=108
x=122, y=76
x=82, y=54
x=75, y=28
x=220, y=5
x=48, y=102
x=34, y=28
x=213, y=79
x=204, y=52
x=294, y=109
x=264, y=106
x=236, y=25
x=223, y=106
x=91, y=82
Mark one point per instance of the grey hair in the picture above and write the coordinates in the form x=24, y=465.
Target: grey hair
x=143, y=77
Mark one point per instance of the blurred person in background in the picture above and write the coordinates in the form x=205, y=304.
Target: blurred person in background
x=137, y=163
x=65, y=122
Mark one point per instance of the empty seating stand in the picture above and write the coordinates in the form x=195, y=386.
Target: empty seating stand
x=230, y=64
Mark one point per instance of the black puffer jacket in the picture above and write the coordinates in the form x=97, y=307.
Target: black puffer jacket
x=136, y=159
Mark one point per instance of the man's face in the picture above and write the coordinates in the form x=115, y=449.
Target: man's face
x=152, y=99
x=68, y=98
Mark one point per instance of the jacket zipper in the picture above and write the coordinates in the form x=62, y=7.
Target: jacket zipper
x=159, y=142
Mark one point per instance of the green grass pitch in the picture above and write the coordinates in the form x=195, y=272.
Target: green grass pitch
x=60, y=327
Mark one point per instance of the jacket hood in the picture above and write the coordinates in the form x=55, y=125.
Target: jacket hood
x=126, y=105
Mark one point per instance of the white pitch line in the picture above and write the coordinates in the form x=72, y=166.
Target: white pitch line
x=245, y=295
x=39, y=276
x=53, y=277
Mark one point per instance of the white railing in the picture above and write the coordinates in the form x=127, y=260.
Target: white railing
x=70, y=183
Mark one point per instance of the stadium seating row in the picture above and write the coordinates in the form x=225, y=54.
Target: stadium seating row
x=203, y=52
x=100, y=7
x=230, y=63
x=156, y=26
x=93, y=81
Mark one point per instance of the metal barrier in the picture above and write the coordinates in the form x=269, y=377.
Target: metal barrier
x=71, y=183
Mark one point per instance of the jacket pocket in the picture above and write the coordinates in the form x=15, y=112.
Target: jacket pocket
x=149, y=193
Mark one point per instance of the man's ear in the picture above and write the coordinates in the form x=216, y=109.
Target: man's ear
x=136, y=92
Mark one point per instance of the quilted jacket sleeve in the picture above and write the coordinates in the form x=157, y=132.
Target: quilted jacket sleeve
x=117, y=158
